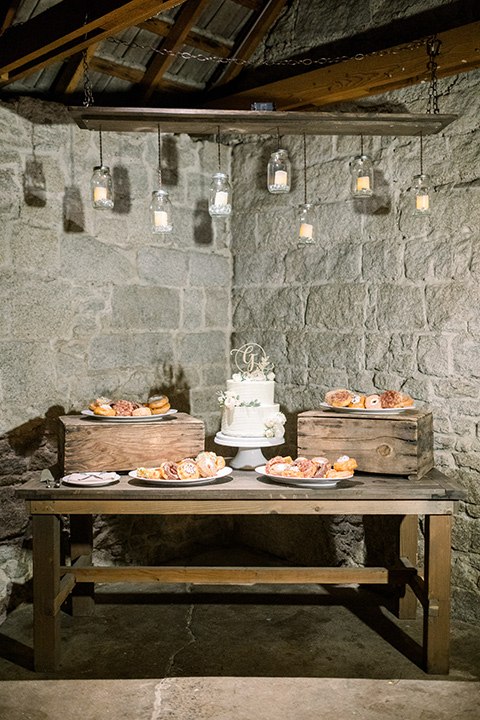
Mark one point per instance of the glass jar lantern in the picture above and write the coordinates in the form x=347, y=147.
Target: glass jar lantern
x=102, y=188
x=220, y=201
x=306, y=224
x=362, y=176
x=421, y=193
x=279, y=172
x=161, y=212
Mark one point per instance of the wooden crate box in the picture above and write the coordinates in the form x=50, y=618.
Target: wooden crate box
x=394, y=445
x=85, y=444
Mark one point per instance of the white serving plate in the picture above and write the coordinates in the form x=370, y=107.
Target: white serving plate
x=128, y=418
x=301, y=482
x=180, y=483
x=353, y=411
x=90, y=479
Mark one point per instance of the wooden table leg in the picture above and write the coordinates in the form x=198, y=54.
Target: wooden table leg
x=436, y=620
x=81, y=543
x=46, y=584
x=407, y=605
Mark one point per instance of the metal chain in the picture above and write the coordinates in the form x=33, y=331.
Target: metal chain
x=219, y=151
x=305, y=168
x=101, y=145
x=200, y=57
x=421, y=153
x=87, y=86
x=433, y=49
x=159, y=135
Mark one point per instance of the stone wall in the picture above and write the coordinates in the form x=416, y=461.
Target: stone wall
x=93, y=303
x=384, y=299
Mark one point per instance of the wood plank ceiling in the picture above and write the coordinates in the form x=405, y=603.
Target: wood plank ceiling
x=138, y=53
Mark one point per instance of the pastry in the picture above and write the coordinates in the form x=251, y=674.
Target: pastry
x=169, y=470
x=323, y=465
x=99, y=401
x=160, y=410
x=149, y=473
x=292, y=471
x=358, y=401
x=219, y=462
x=345, y=463
x=278, y=459
x=277, y=468
x=407, y=401
x=307, y=467
x=206, y=466
x=141, y=411
x=338, y=398
x=158, y=402
x=372, y=402
x=391, y=399
x=337, y=474
x=104, y=410
x=188, y=470
x=123, y=408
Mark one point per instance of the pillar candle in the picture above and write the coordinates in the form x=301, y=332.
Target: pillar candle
x=306, y=230
x=160, y=218
x=221, y=197
x=363, y=183
x=99, y=193
x=280, y=177
x=422, y=202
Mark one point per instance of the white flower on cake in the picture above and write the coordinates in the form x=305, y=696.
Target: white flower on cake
x=229, y=399
x=230, y=402
x=237, y=377
x=274, y=425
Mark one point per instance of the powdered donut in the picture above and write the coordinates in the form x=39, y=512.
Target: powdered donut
x=372, y=402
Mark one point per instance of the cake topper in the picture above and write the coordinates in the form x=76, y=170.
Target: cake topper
x=252, y=362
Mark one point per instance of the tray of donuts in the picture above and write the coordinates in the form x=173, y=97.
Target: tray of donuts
x=206, y=467
x=157, y=407
x=349, y=401
x=315, y=472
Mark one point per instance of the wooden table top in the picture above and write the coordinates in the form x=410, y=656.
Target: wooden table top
x=249, y=485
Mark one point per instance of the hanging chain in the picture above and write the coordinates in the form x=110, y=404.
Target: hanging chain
x=361, y=145
x=305, y=167
x=421, y=153
x=87, y=86
x=433, y=49
x=101, y=145
x=278, y=138
x=219, y=151
x=159, y=135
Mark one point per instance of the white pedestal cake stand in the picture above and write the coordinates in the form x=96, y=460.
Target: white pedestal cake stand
x=249, y=454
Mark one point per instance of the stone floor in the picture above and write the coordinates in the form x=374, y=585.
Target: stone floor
x=241, y=653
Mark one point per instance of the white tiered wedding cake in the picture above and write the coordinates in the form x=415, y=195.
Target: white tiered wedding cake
x=248, y=407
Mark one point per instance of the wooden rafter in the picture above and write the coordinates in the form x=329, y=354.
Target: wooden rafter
x=194, y=39
x=354, y=79
x=250, y=39
x=68, y=79
x=61, y=31
x=130, y=74
x=7, y=14
x=159, y=65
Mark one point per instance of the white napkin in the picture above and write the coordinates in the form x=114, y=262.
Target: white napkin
x=91, y=477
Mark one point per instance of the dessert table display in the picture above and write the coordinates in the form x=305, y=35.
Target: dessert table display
x=242, y=493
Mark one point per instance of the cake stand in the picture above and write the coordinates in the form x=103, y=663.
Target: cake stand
x=249, y=454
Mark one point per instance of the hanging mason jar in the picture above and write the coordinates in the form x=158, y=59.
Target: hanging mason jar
x=306, y=224
x=102, y=188
x=161, y=212
x=279, y=172
x=220, y=202
x=421, y=192
x=362, y=176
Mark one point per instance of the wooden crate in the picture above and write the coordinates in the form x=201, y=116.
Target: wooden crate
x=85, y=444
x=394, y=445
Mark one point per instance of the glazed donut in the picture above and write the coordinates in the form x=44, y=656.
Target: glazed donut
x=141, y=411
x=407, y=401
x=307, y=467
x=160, y=411
x=188, y=470
x=322, y=468
x=345, y=463
x=207, y=466
x=169, y=471
x=157, y=401
x=277, y=468
x=391, y=399
x=372, y=402
x=337, y=474
x=99, y=401
x=219, y=462
x=358, y=401
x=274, y=461
x=292, y=471
x=104, y=410
x=338, y=398
x=123, y=408
x=149, y=473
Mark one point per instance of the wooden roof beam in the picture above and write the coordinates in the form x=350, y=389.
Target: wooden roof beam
x=355, y=79
x=194, y=39
x=7, y=14
x=60, y=32
x=186, y=19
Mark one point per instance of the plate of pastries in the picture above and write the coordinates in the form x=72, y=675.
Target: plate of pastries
x=156, y=408
x=390, y=401
x=204, y=468
x=305, y=472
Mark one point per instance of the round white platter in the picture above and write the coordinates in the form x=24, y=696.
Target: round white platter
x=128, y=418
x=181, y=483
x=301, y=482
x=356, y=411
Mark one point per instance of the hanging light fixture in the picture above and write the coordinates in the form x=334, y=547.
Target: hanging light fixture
x=362, y=174
x=278, y=170
x=220, y=201
x=102, y=183
x=160, y=206
x=421, y=189
x=306, y=214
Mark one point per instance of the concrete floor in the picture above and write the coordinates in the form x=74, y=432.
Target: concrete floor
x=241, y=653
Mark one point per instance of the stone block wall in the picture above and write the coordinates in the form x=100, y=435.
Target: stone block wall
x=93, y=303
x=383, y=300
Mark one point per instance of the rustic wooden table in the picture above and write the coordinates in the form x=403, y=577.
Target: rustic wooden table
x=244, y=492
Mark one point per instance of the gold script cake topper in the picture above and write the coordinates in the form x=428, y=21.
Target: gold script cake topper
x=251, y=359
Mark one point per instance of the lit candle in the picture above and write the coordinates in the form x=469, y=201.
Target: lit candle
x=280, y=177
x=99, y=193
x=160, y=218
x=306, y=230
x=221, y=197
x=422, y=202
x=363, y=183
